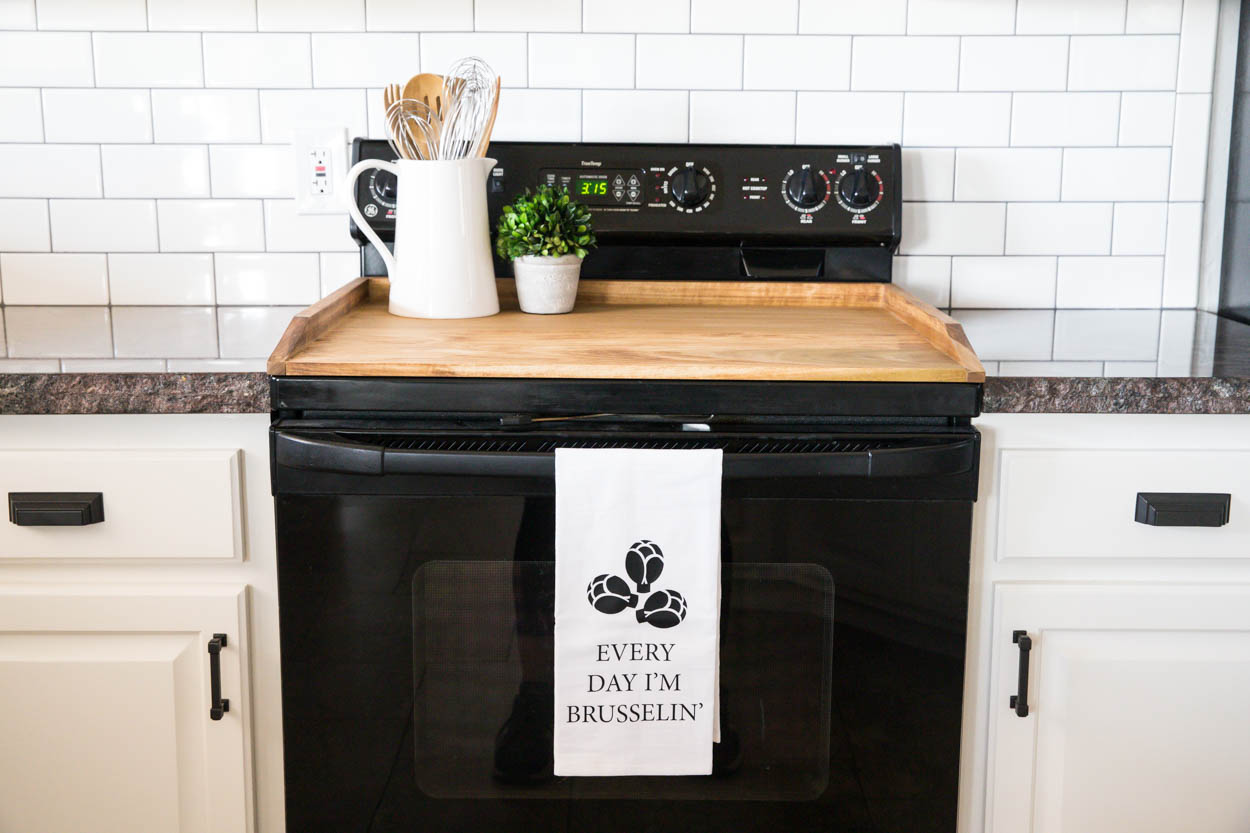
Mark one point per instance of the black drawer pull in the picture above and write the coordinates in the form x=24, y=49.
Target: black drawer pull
x=56, y=508
x=220, y=705
x=1020, y=700
x=1182, y=508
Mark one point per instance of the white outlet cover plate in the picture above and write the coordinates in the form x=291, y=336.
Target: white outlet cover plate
x=304, y=142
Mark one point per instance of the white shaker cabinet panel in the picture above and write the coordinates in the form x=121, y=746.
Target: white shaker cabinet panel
x=105, y=724
x=1137, y=716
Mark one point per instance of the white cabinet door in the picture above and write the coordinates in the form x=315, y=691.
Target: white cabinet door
x=104, y=710
x=1138, y=716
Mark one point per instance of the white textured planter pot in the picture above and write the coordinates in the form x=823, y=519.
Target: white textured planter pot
x=547, y=285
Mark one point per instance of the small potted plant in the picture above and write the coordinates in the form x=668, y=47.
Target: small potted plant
x=545, y=234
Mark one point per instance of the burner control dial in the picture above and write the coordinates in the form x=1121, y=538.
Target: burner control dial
x=690, y=188
x=383, y=187
x=859, y=189
x=805, y=189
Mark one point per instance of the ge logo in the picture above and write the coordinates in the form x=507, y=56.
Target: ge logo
x=371, y=210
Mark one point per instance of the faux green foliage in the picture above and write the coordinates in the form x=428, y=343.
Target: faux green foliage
x=547, y=222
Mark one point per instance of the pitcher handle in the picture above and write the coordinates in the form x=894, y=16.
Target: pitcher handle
x=349, y=195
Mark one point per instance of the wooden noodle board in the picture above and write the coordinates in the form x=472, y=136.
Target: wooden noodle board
x=642, y=330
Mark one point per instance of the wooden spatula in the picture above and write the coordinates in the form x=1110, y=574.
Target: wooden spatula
x=426, y=87
x=490, y=123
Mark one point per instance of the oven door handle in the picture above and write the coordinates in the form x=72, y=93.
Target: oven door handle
x=328, y=452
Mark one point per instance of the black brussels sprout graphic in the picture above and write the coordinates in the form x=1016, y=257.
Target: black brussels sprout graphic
x=663, y=609
x=644, y=562
x=610, y=594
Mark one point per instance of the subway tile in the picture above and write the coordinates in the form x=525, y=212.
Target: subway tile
x=1014, y=63
x=706, y=62
x=719, y=117
x=144, y=59
x=46, y=59
x=30, y=366
x=1059, y=119
x=504, y=51
x=822, y=118
x=1189, y=148
x=286, y=231
x=97, y=116
x=1134, y=369
x=1153, y=17
x=54, y=279
x=280, y=110
x=251, y=170
x=1058, y=228
x=103, y=225
x=636, y=16
x=164, y=332
x=365, y=60
x=113, y=366
x=1003, y=282
x=1199, y=27
x=1007, y=174
x=635, y=116
x=852, y=17
x=1184, y=248
x=1179, y=343
x=511, y=16
x=218, y=16
x=205, y=116
x=768, y=62
x=559, y=60
x=1106, y=335
x=928, y=174
x=49, y=171
x=310, y=15
x=418, y=15
x=92, y=14
x=779, y=16
x=216, y=365
x=539, y=116
x=251, y=332
x=1109, y=282
x=17, y=14
x=1122, y=62
x=161, y=279
x=268, y=278
x=257, y=60
x=945, y=228
x=1009, y=335
x=24, y=226
x=216, y=225
x=21, y=116
x=3, y=347
x=338, y=269
x=1122, y=174
x=1146, y=119
x=155, y=170
x=1067, y=370
x=58, y=332
x=1140, y=228
x=926, y=277
x=961, y=17
x=377, y=115
x=903, y=63
x=1069, y=17
x=956, y=119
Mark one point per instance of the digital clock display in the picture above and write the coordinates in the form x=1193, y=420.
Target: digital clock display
x=591, y=188
x=599, y=186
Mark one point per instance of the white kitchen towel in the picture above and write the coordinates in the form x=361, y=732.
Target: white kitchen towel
x=637, y=611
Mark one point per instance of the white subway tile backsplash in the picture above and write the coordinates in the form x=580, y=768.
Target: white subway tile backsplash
x=113, y=366
x=1010, y=335
x=952, y=228
x=365, y=60
x=251, y=332
x=249, y=59
x=24, y=226
x=1058, y=119
x=742, y=117
x=266, y=278
x=1140, y=228
x=822, y=118
x=928, y=174
x=310, y=15
x=1013, y=63
x=1109, y=282
x=256, y=365
x=1153, y=17
x=1003, y=282
x=1184, y=247
x=216, y=225
x=1189, y=147
x=1133, y=369
x=21, y=116
x=217, y=16
x=1146, y=119
x=164, y=332
x=1069, y=17
x=97, y=116
x=58, y=332
x=103, y=225
x=419, y=15
x=961, y=17
x=1058, y=228
x=946, y=119
x=904, y=63
x=539, y=116
x=17, y=14
x=30, y=366
x=251, y=170
x=1063, y=369
x=54, y=279
x=46, y=59
x=148, y=60
x=1129, y=62
x=92, y=14
x=635, y=115
x=1123, y=174
x=283, y=110
x=1007, y=174
x=49, y=171
x=778, y=16
x=768, y=62
x=161, y=279
x=511, y=16
x=337, y=269
x=155, y=170
x=1196, y=67
x=504, y=51
x=575, y=60
x=287, y=231
x=925, y=276
x=705, y=62
x=636, y=16
x=1119, y=335
x=853, y=17
x=205, y=116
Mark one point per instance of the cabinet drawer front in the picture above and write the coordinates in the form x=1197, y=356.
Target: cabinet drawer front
x=174, y=504
x=1066, y=503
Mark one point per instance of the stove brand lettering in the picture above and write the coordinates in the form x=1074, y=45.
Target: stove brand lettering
x=644, y=563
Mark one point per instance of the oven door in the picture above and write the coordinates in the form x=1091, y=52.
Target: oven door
x=416, y=590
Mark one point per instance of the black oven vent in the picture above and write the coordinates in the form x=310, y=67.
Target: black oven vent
x=539, y=444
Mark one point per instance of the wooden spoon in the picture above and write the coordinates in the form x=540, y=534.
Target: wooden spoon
x=426, y=87
x=490, y=123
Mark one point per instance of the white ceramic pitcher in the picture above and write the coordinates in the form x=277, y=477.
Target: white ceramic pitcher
x=442, y=266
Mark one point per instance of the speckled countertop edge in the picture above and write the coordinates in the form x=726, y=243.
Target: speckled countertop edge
x=248, y=393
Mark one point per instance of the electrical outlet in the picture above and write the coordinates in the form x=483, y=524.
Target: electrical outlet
x=320, y=162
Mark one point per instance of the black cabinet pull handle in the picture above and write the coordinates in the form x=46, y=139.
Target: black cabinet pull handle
x=1020, y=700
x=56, y=508
x=1182, y=508
x=220, y=705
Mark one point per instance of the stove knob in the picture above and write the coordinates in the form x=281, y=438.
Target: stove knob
x=690, y=187
x=858, y=189
x=386, y=185
x=806, y=190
